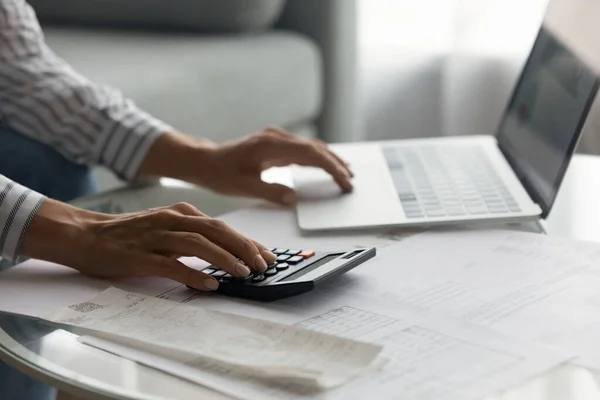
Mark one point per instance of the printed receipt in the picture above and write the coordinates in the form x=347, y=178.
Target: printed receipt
x=200, y=337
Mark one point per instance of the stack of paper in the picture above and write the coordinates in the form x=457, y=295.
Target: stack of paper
x=210, y=339
x=423, y=357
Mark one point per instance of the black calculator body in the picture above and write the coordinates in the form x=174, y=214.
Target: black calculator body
x=295, y=272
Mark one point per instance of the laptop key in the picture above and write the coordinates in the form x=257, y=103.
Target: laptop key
x=407, y=197
x=452, y=203
x=435, y=213
x=412, y=215
x=415, y=209
x=410, y=204
x=455, y=211
x=401, y=181
x=477, y=210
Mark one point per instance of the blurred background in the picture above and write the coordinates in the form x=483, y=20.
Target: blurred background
x=341, y=70
x=441, y=67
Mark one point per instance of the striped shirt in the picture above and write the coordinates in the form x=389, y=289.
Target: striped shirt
x=44, y=98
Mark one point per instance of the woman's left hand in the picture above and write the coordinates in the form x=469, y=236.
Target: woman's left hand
x=235, y=167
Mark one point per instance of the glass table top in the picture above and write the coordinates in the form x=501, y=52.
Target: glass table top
x=55, y=355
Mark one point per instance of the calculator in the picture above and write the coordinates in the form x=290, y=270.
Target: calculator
x=295, y=272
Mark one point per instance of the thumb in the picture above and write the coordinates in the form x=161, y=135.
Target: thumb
x=273, y=192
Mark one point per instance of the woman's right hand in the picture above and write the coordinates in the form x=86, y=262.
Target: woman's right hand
x=142, y=244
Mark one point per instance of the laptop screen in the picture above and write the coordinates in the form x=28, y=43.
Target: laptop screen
x=545, y=116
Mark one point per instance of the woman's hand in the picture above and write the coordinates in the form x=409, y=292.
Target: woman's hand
x=142, y=244
x=235, y=167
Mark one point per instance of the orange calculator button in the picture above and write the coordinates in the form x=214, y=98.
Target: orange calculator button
x=307, y=254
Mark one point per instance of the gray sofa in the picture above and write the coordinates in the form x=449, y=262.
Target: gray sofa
x=218, y=68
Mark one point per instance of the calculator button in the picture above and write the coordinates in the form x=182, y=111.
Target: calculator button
x=294, y=260
x=209, y=270
x=259, y=278
x=279, y=251
x=293, y=252
x=307, y=254
x=270, y=272
x=283, y=257
x=272, y=266
x=220, y=273
x=282, y=266
x=226, y=277
x=242, y=279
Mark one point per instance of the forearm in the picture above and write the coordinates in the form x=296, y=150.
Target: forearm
x=179, y=156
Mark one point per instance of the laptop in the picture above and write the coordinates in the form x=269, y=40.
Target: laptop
x=511, y=176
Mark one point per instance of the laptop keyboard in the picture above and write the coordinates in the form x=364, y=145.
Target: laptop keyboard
x=440, y=181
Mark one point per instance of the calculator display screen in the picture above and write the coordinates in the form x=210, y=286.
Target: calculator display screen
x=311, y=267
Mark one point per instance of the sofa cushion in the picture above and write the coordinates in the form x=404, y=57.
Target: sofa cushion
x=204, y=15
x=217, y=87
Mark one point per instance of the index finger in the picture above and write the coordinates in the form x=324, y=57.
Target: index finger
x=221, y=234
x=338, y=158
x=312, y=155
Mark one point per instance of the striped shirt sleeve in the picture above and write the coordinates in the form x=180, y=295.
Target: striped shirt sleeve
x=18, y=205
x=44, y=98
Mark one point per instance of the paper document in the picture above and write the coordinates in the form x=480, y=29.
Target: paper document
x=528, y=286
x=423, y=357
x=201, y=337
x=585, y=345
x=437, y=358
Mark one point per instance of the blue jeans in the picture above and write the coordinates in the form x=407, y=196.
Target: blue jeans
x=42, y=169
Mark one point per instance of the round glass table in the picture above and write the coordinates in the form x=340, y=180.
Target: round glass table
x=78, y=371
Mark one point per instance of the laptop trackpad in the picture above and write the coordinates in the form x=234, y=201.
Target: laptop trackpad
x=319, y=188
x=374, y=201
